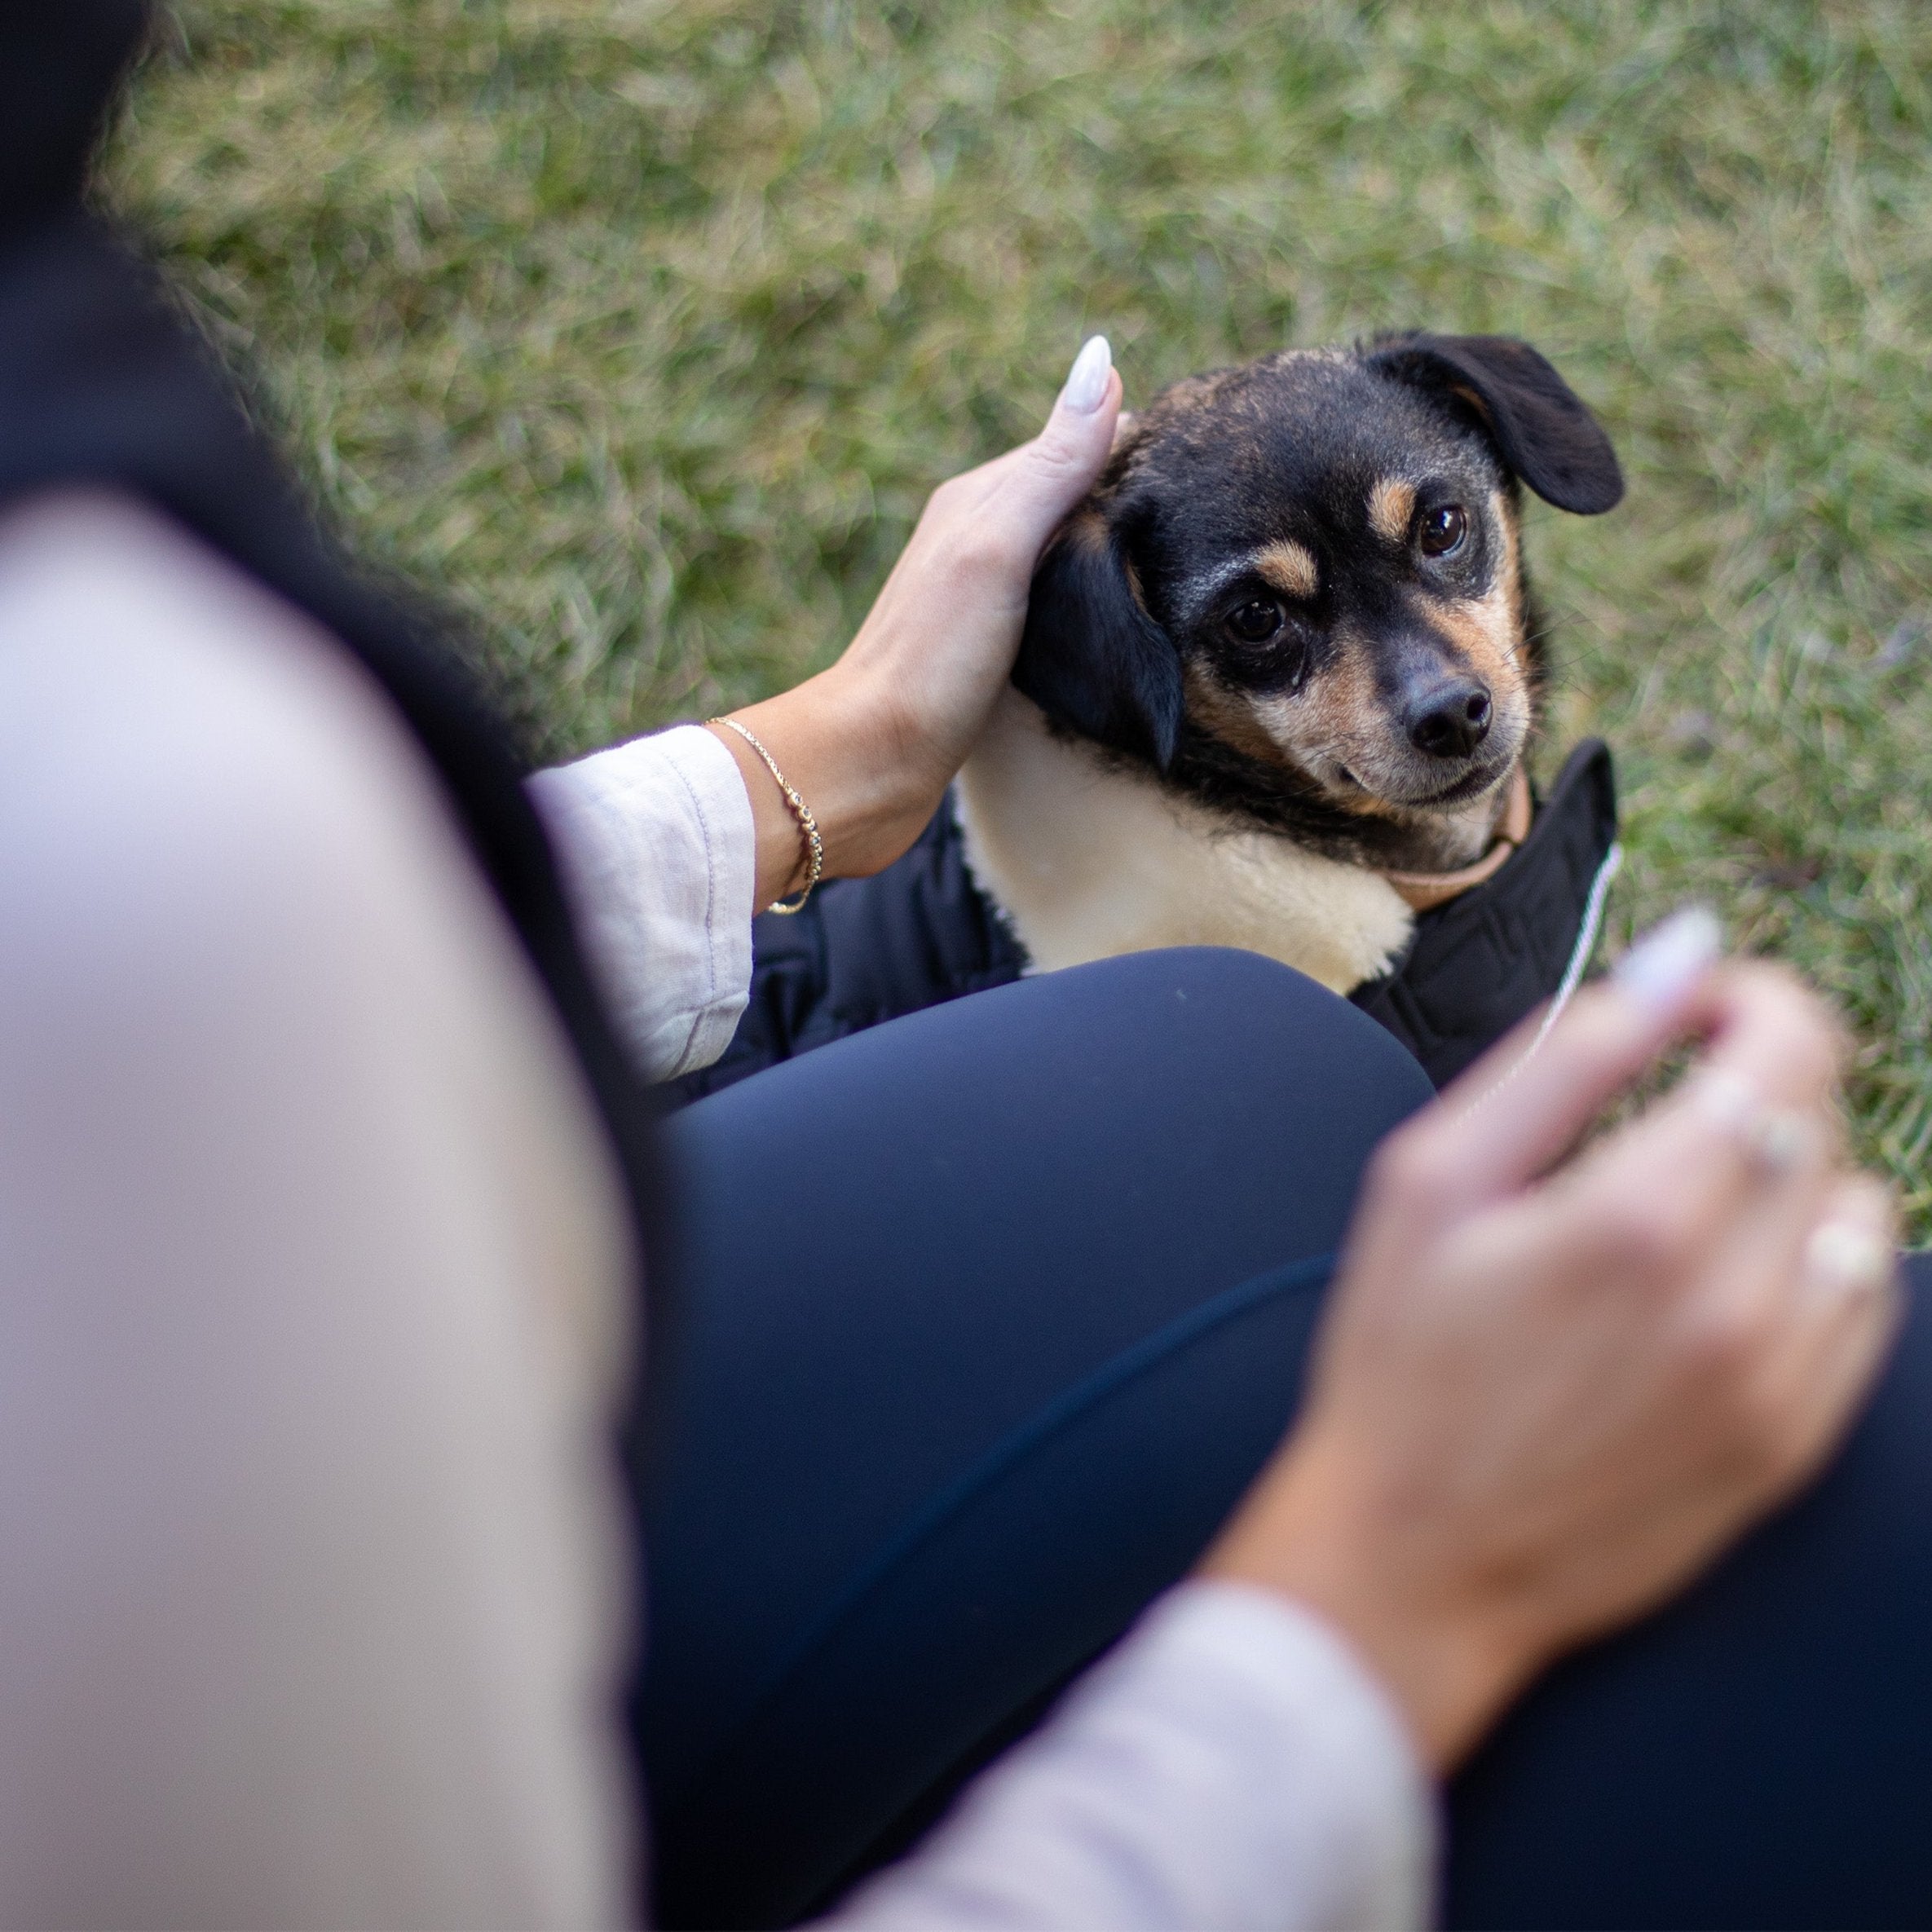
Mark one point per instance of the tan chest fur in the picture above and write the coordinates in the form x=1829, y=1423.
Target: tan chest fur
x=1089, y=861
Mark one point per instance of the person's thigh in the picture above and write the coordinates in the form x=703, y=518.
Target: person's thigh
x=982, y=1321
x=1759, y=1753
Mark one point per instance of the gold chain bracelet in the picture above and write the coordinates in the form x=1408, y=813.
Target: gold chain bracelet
x=808, y=826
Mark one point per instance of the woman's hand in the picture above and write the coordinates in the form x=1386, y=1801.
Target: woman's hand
x=1542, y=1401
x=872, y=743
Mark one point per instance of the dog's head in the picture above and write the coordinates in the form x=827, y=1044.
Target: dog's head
x=1307, y=571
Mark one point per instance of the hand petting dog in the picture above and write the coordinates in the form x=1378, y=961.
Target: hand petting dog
x=873, y=742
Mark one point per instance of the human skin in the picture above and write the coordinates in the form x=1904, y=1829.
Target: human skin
x=1547, y=1391
x=1541, y=1401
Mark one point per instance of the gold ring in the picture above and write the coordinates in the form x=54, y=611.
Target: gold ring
x=1780, y=1140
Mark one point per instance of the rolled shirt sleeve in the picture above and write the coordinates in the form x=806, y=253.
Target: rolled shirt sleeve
x=659, y=859
x=1231, y=1764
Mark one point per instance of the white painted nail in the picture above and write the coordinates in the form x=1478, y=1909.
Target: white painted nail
x=1846, y=1258
x=1087, y=381
x=1661, y=969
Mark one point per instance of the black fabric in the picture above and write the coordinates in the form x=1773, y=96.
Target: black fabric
x=921, y=932
x=58, y=66
x=1475, y=966
x=103, y=384
x=864, y=950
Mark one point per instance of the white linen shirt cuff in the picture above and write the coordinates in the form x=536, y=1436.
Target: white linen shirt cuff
x=659, y=856
x=1231, y=1764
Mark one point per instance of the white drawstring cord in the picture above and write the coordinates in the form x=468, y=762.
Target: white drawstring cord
x=1579, y=962
x=1587, y=944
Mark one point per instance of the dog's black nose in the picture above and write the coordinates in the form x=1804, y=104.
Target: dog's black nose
x=1451, y=721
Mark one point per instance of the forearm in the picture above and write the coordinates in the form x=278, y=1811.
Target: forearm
x=312, y=1287
x=1452, y=1662
x=671, y=843
x=833, y=739
x=1229, y=1765
x=870, y=745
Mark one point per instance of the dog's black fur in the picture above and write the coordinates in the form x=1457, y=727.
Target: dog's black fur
x=1131, y=641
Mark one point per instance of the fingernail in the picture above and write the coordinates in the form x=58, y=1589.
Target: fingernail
x=1087, y=380
x=1663, y=966
x=1845, y=1257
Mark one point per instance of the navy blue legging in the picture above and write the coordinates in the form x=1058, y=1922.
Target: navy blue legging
x=983, y=1320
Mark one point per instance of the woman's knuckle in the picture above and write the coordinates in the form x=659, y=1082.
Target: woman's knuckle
x=1810, y=1039
x=1805, y=1045
x=1057, y=457
x=1823, y=1052
x=945, y=500
x=982, y=549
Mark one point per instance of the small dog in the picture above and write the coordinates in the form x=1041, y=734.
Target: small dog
x=1279, y=671
x=1277, y=679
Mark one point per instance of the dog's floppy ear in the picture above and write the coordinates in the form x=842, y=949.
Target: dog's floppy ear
x=1092, y=658
x=1539, y=425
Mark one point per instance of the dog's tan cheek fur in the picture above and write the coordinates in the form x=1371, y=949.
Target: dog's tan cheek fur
x=1335, y=716
x=1340, y=707
x=1231, y=715
x=1488, y=630
x=1342, y=700
x=1483, y=637
x=1087, y=530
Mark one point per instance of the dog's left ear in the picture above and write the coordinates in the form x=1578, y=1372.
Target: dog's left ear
x=1540, y=425
x=1091, y=657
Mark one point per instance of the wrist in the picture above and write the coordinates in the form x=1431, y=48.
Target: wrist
x=811, y=858
x=778, y=863
x=1452, y=1656
x=841, y=750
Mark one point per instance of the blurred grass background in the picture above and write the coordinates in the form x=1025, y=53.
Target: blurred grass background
x=639, y=329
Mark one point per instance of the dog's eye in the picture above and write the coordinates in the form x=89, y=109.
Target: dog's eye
x=1255, y=623
x=1442, y=530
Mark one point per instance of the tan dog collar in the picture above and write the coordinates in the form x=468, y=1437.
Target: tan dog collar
x=1423, y=889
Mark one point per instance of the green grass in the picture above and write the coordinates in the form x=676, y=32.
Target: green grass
x=641, y=329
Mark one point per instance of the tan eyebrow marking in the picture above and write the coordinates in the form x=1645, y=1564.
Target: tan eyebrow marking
x=1390, y=505
x=1289, y=567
